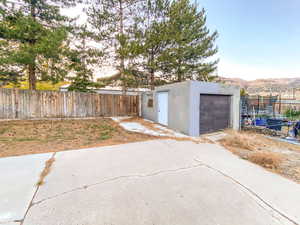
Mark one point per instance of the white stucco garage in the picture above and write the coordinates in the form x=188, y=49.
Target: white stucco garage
x=193, y=107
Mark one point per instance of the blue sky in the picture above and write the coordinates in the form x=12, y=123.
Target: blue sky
x=257, y=38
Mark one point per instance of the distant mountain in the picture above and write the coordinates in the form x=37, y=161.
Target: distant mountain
x=265, y=86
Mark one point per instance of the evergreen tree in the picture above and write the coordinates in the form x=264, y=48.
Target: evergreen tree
x=83, y=58
x=243, y=92
x=152, y=37
x=33, y=33
x=190, y=44
x=114, y=21
x=9, y=70
x=171, y=43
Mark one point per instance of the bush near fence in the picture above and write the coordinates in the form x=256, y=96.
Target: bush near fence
x=27, y=104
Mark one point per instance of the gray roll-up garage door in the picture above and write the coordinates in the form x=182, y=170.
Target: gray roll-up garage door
x=214, y=112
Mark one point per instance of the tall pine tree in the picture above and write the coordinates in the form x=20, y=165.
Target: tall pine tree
x=83, y=59
x=190, y=44
x=171, y=43
x=114, y=21
x=152, y=37
x=33, y=33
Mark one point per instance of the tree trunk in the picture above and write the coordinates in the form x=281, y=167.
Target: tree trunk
x=179, y=74
x=152, y=79
x=32, y=67
x=122, y=63
x=31, y=77
x=152, y=69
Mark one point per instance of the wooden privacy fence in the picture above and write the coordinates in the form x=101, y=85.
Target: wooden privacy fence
x=26, y=104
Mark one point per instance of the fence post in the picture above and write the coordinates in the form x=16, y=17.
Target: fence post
x=139, y=105
x=16, y=97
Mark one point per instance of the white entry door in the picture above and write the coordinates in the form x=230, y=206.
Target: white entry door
x=162, y=98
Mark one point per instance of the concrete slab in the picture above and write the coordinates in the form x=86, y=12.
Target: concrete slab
x=281, y=193
x=78, y=168
x=162, y=182
x=214, y=137
x=188, y=196
x=18, y=176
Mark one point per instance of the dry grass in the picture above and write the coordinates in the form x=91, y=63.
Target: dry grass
x=253, y=147
x=268, y=160
x=266, y=152
x=46, y=170
x=243, y=140
x=41, y=136
x=252, y=141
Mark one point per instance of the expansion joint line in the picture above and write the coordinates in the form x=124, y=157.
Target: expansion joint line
x=250, y=191
x=38, y=185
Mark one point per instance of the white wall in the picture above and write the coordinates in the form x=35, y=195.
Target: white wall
x=184, y=104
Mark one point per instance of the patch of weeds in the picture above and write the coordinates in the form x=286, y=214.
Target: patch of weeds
x=105, y=135
x=94, y=126
x=88, y=141
x=49, y=138
x=268, y=160
x=60, y=130
x=24, y=139
x=80, y=132
x=102, y=126
x=5, y=139
x=3, y=130
x=106, y=130
x=46, y=170
x=68, y=138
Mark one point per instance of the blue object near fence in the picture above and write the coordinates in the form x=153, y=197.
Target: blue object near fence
x=274, y=124
x=260, y=122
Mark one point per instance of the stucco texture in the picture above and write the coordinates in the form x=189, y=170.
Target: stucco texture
x=184, y=104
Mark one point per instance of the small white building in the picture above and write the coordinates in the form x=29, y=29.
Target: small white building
x=193, y=107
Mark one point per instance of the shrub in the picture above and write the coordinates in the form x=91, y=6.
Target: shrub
x=242, y=140
x=268, y=160
x=292, y=114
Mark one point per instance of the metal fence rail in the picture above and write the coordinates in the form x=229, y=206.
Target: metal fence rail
x=258, y=104
x=267, y=105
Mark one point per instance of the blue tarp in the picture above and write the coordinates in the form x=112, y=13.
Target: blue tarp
x=260, y=122
x=274, y=124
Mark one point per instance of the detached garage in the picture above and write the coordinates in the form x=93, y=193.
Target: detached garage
x=193, y=107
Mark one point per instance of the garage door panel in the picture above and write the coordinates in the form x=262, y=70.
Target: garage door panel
x=214, y=113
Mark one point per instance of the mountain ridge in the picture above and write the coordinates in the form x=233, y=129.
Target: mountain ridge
x=267, y=85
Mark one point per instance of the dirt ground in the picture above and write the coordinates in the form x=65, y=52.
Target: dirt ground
x=280, y=157
x=41, y=136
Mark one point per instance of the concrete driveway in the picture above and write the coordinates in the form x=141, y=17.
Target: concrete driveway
x=163, y=182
